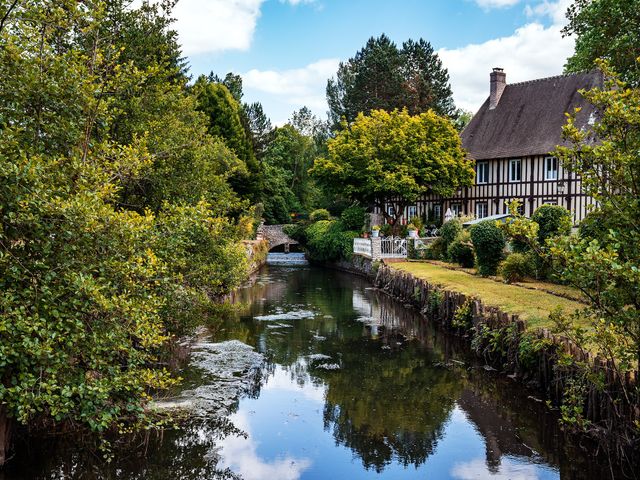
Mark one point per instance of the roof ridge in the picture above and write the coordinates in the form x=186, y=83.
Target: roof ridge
x=562, y=75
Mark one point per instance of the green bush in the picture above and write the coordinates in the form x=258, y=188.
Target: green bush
x=594, y=227
x=436, y=250
x=461, y=250
x=328, y=240
x=319, y=215
x=449, y=231
x=488, y=243
x=353, y=218
x=516, y=267
x=297, y=231
x=385, y=230
x=553, y=220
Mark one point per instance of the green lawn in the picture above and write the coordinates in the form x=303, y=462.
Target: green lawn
x=533, y=306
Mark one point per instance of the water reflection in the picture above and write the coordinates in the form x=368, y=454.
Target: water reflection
x=322, y=377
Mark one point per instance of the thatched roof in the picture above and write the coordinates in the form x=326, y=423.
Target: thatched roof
x=529, y=117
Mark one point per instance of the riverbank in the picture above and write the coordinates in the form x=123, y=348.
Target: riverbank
x=521, y=347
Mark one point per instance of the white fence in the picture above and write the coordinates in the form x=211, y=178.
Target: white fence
x=393, y=247
x=362, y=246
x=378, y=248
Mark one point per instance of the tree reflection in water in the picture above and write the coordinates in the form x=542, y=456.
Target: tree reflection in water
x=389, y=386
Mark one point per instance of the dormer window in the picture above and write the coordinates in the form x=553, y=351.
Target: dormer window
x=550, y=168
x=482, y=172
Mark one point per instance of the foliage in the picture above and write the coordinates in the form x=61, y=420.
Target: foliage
x=436, y=250
x=607, y=29
x=594, y=227
x=319, y=214
x=516, y=267
x=328, y=240
x=225, y=117
x=463, y=316
x=394, y=158
x=382, y=76
x=460, y=250
x=353, y=218
x=488, y=243
x=297, y=231
x=94, y=112
x=449, y=231
x=552, y=220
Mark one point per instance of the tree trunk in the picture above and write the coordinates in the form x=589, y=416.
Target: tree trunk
x=5, y=435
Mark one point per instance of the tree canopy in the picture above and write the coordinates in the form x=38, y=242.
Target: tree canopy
x=607, y=29
x=394, y=158
x=383, y=76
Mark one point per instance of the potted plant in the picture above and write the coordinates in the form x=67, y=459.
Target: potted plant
x=375, y=231
x=412, y=230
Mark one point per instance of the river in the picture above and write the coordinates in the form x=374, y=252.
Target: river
x=318, y=376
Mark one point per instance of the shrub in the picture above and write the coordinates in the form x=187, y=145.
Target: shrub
x=594, y=227
x=516, y=267
x=553, y=220
x=488, y=243
x=328, y=241
x=449, y=231
x=297, y=231
x=353, y=218
x=385, y=230
x=435, y=251
x=319, y=215
x=461, y=250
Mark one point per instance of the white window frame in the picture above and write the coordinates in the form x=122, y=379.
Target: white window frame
x=391, y=211
x=485, y=178
x=411, y=208
x=486, y=208
x=456, y=208
x=551, y=173
x=518, y=162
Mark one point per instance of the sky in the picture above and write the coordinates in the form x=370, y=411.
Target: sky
x=286, y=50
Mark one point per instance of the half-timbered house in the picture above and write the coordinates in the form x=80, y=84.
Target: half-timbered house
x=511, y=139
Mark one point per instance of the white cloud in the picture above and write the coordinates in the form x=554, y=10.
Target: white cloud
x=297, y=87
x=240, y=455
x=206, y=26
x=487, y=4
x=532, y=51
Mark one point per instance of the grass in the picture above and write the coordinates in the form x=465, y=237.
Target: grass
x=532, y=305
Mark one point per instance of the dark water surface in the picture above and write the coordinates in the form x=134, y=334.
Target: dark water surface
x=321, y=377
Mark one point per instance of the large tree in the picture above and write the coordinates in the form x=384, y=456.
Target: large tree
x=383, y=76
x=606, y=267
x=226, y=121
x=393, y=158
x=608, y=29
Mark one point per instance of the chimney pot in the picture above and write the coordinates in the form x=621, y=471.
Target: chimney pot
x=497, y=84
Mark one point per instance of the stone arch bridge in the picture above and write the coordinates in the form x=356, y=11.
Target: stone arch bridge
x=274, y=234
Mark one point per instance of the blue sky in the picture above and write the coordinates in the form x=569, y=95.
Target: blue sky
x=286, y=50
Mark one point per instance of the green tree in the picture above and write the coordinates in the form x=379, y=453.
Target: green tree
x=225, y=116
x=382, y=76
x=393, y=159
x=608, y=273
x=92, y=291
x=259, y=126
x=607, y=29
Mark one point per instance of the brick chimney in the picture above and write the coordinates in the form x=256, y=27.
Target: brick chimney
x=498, y=80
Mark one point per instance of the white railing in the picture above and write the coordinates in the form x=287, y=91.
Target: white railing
x=393, y=247
x=362, y=246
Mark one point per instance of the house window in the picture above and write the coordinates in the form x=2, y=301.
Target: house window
x=515, y=170
x=482, y=172
x=482, y=209
x=391, y=212
x=437, y=213
x=456, y=208
x=412, y=211
x=550, y=168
